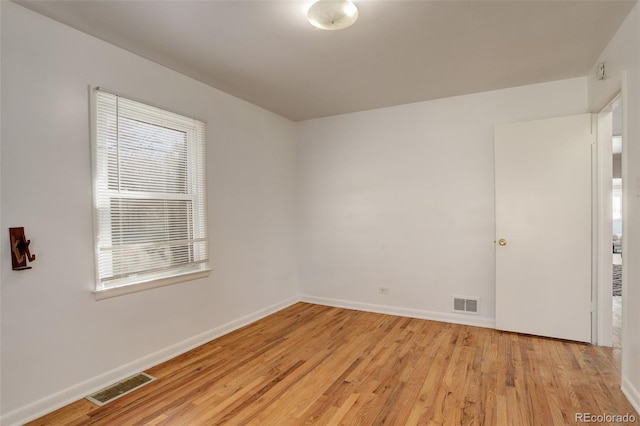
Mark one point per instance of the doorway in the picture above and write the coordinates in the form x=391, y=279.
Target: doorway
x=608, y=250
x=617, y=225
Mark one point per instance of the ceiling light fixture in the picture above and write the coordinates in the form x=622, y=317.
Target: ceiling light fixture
x=332, y=14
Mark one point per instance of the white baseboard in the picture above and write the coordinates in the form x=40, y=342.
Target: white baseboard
x=471, y=320
x=632, y=394
x=60, y=399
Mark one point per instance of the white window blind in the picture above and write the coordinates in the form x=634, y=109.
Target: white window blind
x=149, y=193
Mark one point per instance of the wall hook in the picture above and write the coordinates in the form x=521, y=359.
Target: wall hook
x=20, y=252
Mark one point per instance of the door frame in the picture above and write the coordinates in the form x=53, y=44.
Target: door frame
x=602, y=318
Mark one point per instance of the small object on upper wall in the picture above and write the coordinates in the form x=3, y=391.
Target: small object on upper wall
x=20, y=252
x=601, y=71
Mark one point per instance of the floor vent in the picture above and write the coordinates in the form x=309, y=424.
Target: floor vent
x=119, y=389
x=466, y=306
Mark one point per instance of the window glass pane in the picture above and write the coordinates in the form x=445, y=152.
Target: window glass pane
x=148, y=234
x=136, y=221
x=148, y=158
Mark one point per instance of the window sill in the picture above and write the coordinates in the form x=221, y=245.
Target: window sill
x=108, y=293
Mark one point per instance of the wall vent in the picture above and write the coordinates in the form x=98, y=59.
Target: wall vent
x=466, y=305
x=121, y=388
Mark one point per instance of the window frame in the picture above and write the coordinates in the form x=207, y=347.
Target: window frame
x=100, y=174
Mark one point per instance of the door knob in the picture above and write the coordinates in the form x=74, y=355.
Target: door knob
x=502, y=242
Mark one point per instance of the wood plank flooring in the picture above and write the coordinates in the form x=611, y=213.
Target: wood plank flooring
x=311, y=364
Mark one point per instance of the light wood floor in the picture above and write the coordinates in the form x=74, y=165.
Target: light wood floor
x=311, y=364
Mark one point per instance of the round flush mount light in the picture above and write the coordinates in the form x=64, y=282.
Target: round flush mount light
x=332, y=14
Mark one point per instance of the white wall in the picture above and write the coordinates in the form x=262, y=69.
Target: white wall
x=403, y=197
x=622, y=58
x=57, y=341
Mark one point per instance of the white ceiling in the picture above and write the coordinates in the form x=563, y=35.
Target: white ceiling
x=397, y=52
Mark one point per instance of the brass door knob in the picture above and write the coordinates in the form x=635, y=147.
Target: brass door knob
x=502, y=242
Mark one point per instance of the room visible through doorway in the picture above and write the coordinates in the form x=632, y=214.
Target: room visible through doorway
x=617, y=234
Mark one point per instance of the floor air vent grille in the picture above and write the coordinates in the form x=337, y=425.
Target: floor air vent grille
x=119, y=389
x=467, y=306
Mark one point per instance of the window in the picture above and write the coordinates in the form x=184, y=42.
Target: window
x=149, y=194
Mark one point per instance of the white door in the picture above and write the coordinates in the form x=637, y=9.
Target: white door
x=543, y=227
